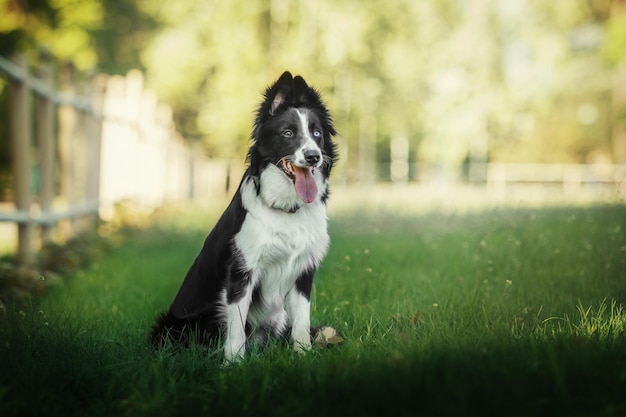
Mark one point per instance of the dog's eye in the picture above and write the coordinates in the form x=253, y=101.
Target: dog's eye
x=287, y=133
x=317, y=133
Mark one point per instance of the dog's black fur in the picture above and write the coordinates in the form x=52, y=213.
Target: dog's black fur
x=254, y=273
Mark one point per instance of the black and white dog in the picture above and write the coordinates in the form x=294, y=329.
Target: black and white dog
x=254, y=274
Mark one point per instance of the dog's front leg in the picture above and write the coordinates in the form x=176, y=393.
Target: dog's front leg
x=298, y=310
x=236, y=316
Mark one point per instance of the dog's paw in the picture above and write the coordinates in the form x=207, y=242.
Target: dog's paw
x=302, y=346
x=229, y=362
x=233, y=355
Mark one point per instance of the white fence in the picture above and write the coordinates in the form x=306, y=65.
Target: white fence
x=572, y=178
x=606, y=178
x=76, y=152
x=94, y=146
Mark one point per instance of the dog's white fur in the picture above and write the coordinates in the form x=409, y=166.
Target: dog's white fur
x=253, y=277
x=277, y=245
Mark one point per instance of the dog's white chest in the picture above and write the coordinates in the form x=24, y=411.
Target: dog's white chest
x=278, y=246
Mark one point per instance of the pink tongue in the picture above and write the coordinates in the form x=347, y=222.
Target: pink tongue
x=305, y=184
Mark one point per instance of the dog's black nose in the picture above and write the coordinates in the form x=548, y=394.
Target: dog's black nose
x=312, y=156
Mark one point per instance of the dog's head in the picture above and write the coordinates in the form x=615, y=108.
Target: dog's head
x=293, y=131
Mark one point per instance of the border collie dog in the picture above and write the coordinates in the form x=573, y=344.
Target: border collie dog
x=253, y=276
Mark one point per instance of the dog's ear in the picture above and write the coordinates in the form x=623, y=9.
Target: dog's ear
x=280, y=92
x=305, y=95
x=276, y=96
x=279, y=99
x=301, y=90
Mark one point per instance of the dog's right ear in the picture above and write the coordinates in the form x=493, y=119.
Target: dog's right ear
x=280, y=92
x=276, y=96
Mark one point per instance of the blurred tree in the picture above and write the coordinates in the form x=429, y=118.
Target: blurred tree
x=60, y=25
x=615, y=52
x=439, y=82
x=612, y=15
x=124, y=32
x=207, y=64
x=19, y=20
x=556, y=82
x=90, y=33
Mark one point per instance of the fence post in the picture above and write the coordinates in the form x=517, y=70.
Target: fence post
x=67, y=129
x=94, y=138
x=45, y=141
x=19, y=96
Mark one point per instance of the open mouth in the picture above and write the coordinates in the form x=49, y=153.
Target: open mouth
x=303, y=180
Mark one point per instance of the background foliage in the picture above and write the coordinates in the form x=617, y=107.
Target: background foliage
x=505, y=80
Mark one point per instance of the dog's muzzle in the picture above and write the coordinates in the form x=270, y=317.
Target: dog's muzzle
x=303, y=179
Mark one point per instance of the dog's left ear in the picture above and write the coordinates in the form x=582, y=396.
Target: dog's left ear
x=280, y=92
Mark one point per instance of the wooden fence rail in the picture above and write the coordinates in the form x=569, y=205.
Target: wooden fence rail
x=78, y=149
x=94, y=146
x=572, y=178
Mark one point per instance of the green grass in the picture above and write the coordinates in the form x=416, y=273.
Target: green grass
x=508, y=312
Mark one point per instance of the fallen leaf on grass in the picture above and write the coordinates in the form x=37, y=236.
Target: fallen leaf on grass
x=326, y=336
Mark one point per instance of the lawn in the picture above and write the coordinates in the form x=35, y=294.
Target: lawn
x=501, y=311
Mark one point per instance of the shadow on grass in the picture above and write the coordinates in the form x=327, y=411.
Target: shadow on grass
x=77, y=373
x=83, y=350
